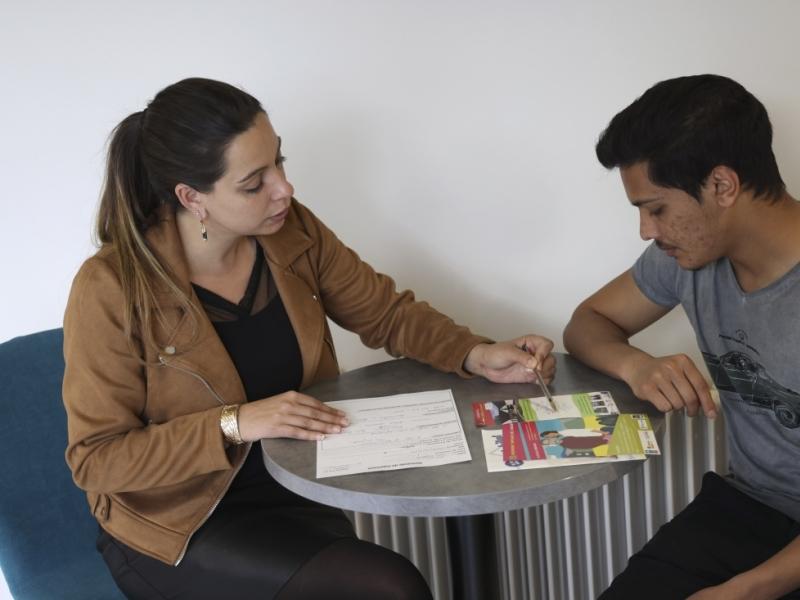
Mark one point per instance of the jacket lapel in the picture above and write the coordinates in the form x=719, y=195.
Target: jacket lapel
x=292, y=272
x=286, y=253
x=200, y=351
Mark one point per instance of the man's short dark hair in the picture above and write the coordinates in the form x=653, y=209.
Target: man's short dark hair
x=684, y=127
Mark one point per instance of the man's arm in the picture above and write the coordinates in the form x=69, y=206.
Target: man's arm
x=598, y=334
x=773, y=578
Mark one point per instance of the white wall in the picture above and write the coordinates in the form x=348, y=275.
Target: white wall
x=450, y=143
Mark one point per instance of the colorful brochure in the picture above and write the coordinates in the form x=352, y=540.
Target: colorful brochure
x=584, y=428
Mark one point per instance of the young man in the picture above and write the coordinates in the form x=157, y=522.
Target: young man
x=695, y=156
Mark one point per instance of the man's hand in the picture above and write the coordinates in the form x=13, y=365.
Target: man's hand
x=774, y=578
x=741, y=587
x=507, y=362
x=670, y=383
x=718, y=592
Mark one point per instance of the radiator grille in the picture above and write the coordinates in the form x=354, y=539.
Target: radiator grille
x=573, y=548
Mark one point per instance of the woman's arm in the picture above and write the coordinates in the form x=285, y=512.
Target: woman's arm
x=112, y=447
x=361, y=300
x=366, y=302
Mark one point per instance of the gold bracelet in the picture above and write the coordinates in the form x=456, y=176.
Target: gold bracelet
x=229, y=423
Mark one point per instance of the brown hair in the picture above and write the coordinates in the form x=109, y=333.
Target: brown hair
x=181, y=137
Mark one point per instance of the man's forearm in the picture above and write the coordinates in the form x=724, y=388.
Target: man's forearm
x=601, y=344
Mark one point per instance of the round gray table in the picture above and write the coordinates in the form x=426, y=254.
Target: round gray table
x=466, y=493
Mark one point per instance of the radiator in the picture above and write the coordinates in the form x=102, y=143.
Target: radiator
x=572, y=548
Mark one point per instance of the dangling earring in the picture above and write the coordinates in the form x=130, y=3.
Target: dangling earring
x=203, y=231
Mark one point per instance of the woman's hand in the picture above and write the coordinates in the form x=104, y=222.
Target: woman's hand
x=513, y=361
x=291, y=415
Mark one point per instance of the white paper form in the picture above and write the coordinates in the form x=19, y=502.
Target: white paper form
x=394, y=432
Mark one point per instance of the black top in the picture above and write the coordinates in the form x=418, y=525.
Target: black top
x=262, y=346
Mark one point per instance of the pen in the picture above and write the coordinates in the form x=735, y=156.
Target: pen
x=517, y=412
x=541, y=382
x=546, y=390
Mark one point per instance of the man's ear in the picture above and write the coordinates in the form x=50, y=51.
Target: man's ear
x=724, y=186
x=190, y=199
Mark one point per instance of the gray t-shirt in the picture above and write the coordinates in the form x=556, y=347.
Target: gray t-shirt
x=750, y=344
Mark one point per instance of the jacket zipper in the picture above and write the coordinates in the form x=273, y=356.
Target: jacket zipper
x=211, y=510
x=197, y=376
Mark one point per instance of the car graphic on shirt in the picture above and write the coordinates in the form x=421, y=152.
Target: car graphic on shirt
x=737, y=372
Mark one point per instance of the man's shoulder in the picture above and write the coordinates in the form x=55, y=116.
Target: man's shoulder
x=659, y=277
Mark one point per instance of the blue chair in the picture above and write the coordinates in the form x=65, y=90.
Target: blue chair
x=47, y=534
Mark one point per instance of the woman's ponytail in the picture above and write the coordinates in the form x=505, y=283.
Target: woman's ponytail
x=128, y=206
x=181, y=137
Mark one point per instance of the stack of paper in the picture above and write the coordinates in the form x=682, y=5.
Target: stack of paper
x=394, y=432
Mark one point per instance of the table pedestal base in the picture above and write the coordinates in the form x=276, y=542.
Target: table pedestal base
x=473, y=559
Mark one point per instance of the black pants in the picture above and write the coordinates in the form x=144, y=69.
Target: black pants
x=723, y=532
x=264, y=543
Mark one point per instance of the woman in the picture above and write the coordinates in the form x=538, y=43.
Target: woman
x=187, y=337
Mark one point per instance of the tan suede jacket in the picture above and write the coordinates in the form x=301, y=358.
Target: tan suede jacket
x=144, y=433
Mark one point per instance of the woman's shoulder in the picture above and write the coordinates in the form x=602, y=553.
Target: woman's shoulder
x=304, y=219
x=100, y=266
x=97, y=277
x=303, y=216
